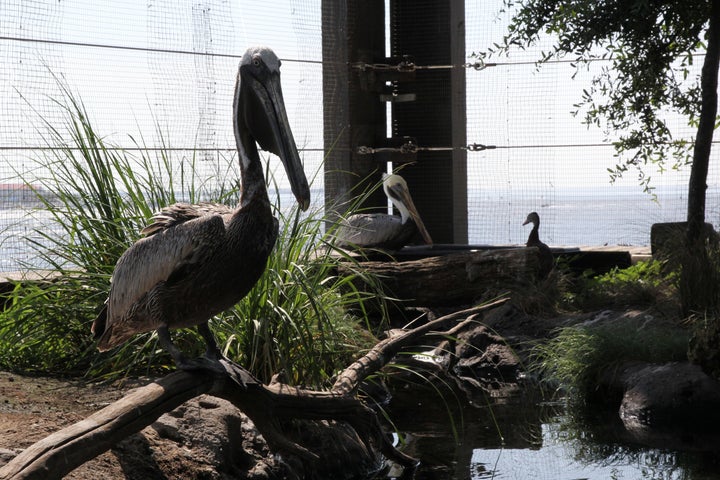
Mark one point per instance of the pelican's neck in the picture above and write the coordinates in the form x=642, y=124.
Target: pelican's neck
x=251, y=171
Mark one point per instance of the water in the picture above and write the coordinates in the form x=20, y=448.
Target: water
x=19, y=237
x=570, y=217
x=526, y=438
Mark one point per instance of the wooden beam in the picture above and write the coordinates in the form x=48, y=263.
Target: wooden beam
x=432, y=33
x=458, y=112
x=352, y=31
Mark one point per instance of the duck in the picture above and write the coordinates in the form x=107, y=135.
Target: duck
x=546, y=259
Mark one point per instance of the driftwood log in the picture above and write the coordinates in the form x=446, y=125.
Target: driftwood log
x=455, y=278
x=61, y=452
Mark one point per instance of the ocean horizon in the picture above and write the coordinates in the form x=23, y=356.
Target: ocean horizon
x=570, y=216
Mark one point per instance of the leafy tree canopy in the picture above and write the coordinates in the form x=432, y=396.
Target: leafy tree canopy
x=649, y=48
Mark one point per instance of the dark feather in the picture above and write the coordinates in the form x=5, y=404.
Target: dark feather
x=182, y=212
x=546, y=258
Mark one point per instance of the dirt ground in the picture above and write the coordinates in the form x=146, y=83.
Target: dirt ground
x=32, y=408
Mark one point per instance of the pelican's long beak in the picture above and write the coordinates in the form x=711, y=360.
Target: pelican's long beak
x=278, y=138
x=527, y=220
x=404, y=195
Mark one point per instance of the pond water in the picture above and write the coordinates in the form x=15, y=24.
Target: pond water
x=529, y=438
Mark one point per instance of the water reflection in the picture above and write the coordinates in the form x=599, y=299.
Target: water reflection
x=527, y=438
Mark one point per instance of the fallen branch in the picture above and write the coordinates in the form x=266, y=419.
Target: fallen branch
x=384, y=351
x=266, y=405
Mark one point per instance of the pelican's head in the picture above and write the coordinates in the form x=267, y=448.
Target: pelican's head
x=533, y=218
x=259, y=108
x=396, y=189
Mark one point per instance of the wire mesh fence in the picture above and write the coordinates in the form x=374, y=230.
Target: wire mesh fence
x=150, y=75
x=547, y=160
x=161, y=74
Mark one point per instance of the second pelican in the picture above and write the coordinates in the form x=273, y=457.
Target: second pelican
x=381, y=230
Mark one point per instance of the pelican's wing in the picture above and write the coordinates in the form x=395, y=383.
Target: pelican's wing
x=368, y=230
x=182, y=212
x=167, y=253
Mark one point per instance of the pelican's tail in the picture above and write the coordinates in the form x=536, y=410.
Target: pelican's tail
x=101, y=333
x=98, y=326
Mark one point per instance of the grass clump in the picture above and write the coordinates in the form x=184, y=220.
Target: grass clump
x=643, y=284
x=300, y=317
x=575, y=357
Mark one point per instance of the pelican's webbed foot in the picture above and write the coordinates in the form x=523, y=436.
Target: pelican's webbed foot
x=222, y=367
x=213, y=360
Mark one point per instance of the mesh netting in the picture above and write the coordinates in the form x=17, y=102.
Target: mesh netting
x=162, y=73
x=158, y=74
x=547, y=161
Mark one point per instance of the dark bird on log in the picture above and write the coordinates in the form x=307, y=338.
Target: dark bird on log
x=546, y=258
x=381, y=230
x=196, y=261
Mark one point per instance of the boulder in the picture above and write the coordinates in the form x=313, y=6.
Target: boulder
x=206, y=438
x=669, y=395
x=485, y=363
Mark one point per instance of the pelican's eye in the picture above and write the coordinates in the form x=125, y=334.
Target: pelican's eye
x=256, y=61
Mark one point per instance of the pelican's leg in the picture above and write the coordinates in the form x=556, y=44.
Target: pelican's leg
x=169, y=346
x=220, y=362
x=212, y=351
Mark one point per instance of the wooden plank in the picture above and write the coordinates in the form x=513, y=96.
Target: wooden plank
x=459, y=122
x=352, y=31
x=438, y=182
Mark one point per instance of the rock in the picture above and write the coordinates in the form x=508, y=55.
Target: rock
x=205, y=438
x=471, y=343
x=517, y=326
x=6, y=455
x=497, y=363
x=669, y=395
x=208, y=438
x=486, y=363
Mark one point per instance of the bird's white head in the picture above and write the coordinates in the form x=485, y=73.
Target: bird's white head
x=397, y=191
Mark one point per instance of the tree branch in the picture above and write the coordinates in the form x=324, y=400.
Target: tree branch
x=266, y=405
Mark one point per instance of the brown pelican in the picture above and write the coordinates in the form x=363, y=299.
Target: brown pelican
x=546, y=257
x=197, y=260
x=383, y=231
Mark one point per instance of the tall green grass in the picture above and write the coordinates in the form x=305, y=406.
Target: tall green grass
x=301, y=318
